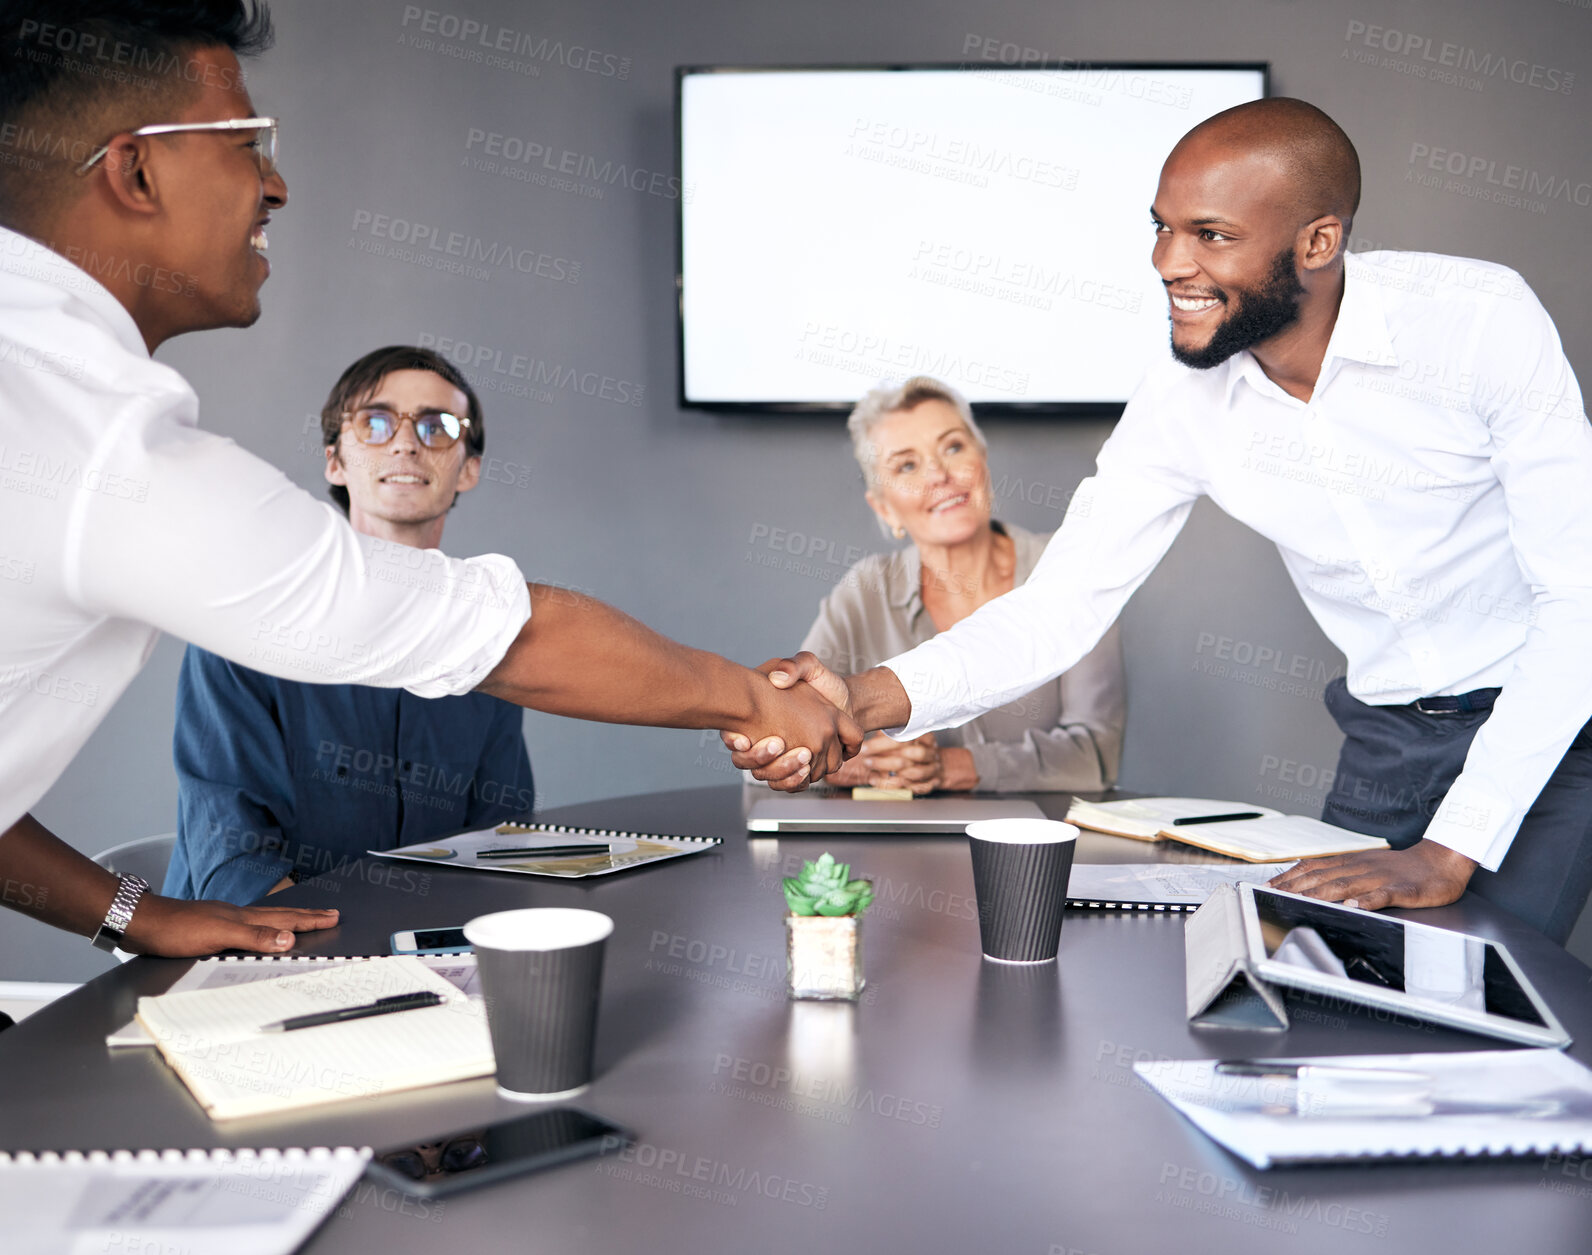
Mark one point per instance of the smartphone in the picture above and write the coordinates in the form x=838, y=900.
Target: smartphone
x=433, y=1167
x=431, y=941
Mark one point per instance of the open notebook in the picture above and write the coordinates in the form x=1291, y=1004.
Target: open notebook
x=220, y=972
x=1273, y=837
x=212, y=1038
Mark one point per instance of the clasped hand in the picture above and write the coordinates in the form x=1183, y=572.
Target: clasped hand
x=807, y=751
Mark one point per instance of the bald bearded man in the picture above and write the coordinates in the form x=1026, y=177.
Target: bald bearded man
x=1406, y=429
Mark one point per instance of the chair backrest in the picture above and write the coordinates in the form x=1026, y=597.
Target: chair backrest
x=146, y=857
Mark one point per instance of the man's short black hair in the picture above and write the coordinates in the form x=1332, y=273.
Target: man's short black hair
x=360, y=380
x=70, y=69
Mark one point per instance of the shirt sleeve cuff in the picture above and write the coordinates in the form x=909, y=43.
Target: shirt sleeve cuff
x=918, y=677
x=1476, y=823
x=246, y=880
x=468, y=673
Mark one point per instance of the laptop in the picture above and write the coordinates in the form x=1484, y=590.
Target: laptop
x=807, y=812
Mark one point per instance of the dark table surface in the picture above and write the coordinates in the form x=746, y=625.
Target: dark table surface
x=959, y=1106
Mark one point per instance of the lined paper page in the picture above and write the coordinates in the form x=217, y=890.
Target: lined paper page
x=1145, y=817
x=1275, y=839
x=458, y=969
x=212, y=1038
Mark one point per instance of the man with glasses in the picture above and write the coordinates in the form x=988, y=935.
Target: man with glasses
x=280, y=780
x=127, y=520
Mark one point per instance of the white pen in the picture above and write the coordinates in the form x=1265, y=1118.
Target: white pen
x=1319, y=1072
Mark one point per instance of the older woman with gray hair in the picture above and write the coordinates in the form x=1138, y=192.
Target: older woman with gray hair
x=923, y=458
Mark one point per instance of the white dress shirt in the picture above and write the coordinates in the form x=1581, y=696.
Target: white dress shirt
x=1430, y=502
x=119, y=520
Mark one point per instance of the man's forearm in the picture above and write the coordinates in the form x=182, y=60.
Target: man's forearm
x=42, y=876
x=878, y=700
x=577, y=656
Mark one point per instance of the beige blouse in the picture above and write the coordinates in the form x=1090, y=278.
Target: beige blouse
x=1066, y=735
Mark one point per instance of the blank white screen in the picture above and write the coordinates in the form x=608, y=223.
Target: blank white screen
x=991, y=228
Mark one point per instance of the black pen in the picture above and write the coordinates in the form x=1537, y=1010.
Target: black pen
x=1216, y=819
x=545, y=851
x=382, y=1006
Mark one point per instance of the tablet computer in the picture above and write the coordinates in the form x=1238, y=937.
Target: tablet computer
x=1416, y=970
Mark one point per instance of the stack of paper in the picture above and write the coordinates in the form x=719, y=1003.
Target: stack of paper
x=1487, y=1102
x=1157, y=886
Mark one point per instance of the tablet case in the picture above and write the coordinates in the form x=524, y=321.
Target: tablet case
x=1224, y=990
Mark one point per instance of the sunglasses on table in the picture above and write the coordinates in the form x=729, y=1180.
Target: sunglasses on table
x=264, y=144
x=459, y=1155
x=436, y=429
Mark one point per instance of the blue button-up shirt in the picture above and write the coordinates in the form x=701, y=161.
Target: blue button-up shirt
x=277, y=776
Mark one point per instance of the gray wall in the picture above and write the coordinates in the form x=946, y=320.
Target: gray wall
x=668, y=514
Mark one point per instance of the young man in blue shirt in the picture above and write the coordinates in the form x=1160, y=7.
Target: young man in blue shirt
x=281, y=780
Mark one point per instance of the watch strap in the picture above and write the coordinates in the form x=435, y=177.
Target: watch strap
x=120, y=914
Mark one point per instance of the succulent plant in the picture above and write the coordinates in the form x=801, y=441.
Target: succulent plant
x=823, y=888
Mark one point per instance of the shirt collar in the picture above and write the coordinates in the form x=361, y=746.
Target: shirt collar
x=1359, y=334
x=26, y=258
x=905, y=589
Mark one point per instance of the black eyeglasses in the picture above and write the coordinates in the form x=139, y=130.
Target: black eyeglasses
x=436, y=429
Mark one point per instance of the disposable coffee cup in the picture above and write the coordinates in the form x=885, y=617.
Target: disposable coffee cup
x=1020, y=871
x=541, y=971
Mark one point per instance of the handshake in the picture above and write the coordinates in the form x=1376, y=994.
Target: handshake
x=810, y=721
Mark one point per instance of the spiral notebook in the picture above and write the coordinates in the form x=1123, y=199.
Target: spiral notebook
x=611, y=850
x=1483, y=1103
x=244, y=1202
x=1171, y=888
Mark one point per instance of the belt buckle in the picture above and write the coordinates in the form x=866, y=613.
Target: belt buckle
x=1420, y=705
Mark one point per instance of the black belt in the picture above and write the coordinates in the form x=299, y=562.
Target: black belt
x=1462, y=703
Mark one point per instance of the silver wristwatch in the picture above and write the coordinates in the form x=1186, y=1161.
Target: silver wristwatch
x=120, y=914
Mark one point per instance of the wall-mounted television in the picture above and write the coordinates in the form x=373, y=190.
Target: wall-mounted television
x=841, y=226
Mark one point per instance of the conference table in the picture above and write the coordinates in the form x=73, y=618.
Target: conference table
x=958, y=1106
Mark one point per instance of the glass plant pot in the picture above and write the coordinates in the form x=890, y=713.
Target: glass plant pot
x=823, y=956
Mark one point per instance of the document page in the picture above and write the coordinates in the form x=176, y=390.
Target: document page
x=1175, y=884
x=1484, y=1102
x=242, y=1202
